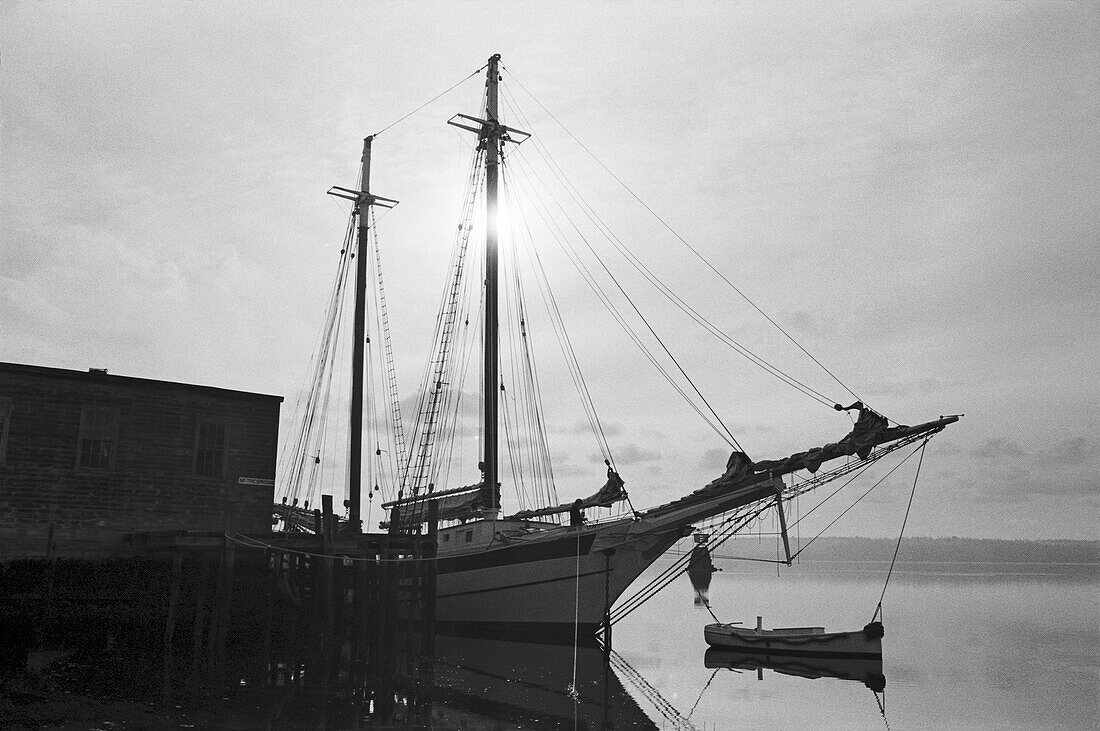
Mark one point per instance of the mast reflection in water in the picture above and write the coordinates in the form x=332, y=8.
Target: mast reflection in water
x=498, y=684
x=469, y=683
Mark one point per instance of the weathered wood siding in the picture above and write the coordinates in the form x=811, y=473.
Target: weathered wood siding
x=152, y=482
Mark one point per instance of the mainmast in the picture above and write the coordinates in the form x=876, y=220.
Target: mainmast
x=492, y=135
x=491, y=386
x=363, y=201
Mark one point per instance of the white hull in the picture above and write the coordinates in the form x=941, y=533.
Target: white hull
x=794, y=642
x=544, y=586
x=541, y=580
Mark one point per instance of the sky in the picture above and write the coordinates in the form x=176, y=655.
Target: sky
x=909, y=190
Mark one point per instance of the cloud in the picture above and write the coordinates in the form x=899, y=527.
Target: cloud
x=1072, y=453
x=583, y=428
x=997, y=448
x=713, y=458
x=629, y=455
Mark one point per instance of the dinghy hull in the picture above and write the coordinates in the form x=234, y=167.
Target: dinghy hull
x=795, y=641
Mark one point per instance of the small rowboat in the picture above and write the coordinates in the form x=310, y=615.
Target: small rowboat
x=797, y=641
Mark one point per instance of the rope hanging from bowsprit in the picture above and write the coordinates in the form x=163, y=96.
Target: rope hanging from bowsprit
x=920, y=461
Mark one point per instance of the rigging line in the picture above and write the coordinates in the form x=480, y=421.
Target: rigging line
x=566, y=346
x=326, y=374
x=539, y=446
x=683, y=240
x=515, y=423
x=330, y=435
x=749, y=558
x=723, y=432
x=576, y=614
x=704, y=690
x=647, y=592
x=518, y=395
x=601, y=295
x=856, y=501
x=322, y=358
x=303, y=411
x=428, y=407
x=434, y=98
x=453, y=398
x=908, y=507
x=568, y=352
x=655, y=585
x=728, y=435
x=857, y=473
x=430, y=377
x=532, y=406
x=248, y=542
x=664, y=289
x=515, y=459
x=823, y=478
x=737, y=520
x=881, y=703
x=394, y=404
x=653, y=695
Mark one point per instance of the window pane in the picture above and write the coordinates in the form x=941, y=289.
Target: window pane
x=210, y=452
x=95, y=453
x=99, y=423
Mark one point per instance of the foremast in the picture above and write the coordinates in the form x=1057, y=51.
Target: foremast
x=363, y=201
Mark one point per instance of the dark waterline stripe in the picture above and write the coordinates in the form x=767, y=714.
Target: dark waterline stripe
x=571, y=577
x=564, y=547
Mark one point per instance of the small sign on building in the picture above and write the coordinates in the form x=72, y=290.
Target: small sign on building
x=258, y=481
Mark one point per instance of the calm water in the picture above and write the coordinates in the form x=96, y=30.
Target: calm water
x=966, y=646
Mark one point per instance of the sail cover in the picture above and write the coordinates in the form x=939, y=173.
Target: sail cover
x=463, y=503
x=611, y=493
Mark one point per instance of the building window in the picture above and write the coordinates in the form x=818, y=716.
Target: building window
x=5, y=422
x=98, y=436
x=210, y=450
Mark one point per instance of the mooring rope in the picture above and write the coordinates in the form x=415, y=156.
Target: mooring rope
x=881, y=703
x=704, y=690
x=706, y=603
x=878, y=609
x=573, y=692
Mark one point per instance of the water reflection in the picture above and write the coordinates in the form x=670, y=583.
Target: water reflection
x=863, y=670
x=468, y=683
x=500, y=684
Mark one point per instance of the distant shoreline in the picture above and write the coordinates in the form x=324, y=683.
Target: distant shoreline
x=920, y=550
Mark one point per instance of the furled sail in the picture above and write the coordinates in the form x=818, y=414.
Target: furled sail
x=870, y=429
x=462, y=503
x=611, y=493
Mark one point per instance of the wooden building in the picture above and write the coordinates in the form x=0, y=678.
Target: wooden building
x=87, y=459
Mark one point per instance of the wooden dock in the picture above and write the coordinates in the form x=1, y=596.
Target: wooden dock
x=200, y=612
